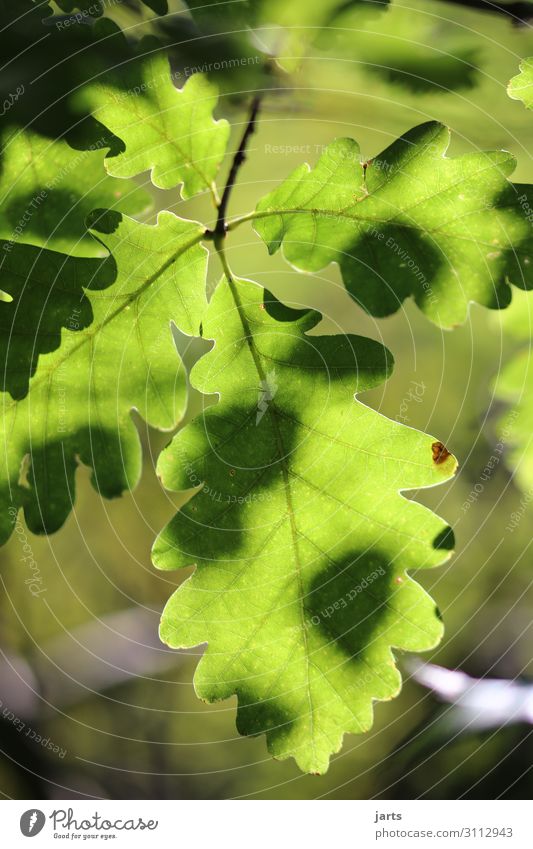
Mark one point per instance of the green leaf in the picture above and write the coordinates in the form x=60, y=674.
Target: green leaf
x=521, y=86
x=101, y=345
x=300, y=537
x=514, y=386
x=166, y=130
x=409, y=223
x=47, y=190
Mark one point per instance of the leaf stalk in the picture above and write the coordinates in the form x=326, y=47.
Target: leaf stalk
x=238, y=160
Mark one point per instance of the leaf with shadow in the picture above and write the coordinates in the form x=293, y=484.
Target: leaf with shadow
x=93, y=340
x=409, y=222
x=47, y=189
x=49, y=59
x=166, y=130
x=297, y=503
x=46, y=293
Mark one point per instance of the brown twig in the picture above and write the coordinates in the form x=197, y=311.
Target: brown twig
x=239, y=158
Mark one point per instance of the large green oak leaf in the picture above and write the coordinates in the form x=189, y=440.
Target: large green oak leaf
x=297, y=528
x=411, y=222
x=84, y=342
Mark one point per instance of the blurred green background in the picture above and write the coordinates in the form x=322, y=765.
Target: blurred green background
x=124, y=717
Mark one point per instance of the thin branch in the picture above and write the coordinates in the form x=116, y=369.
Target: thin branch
x=238, y=160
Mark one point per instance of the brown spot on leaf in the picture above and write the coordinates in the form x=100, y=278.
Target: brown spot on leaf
x=440, y=453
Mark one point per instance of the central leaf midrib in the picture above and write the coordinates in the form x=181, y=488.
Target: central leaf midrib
x=187, y=160
x=272, y=412
x=358, y=219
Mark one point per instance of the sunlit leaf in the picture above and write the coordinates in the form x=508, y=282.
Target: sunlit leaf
x=298, y=531
x=47, y=190
x=165, y=130
x=411, y=222
x=84, y=342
